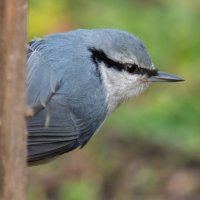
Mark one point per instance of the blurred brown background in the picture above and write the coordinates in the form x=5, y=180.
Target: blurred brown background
x=149, y=148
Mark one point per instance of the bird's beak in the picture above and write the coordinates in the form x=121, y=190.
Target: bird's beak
x=164, y=77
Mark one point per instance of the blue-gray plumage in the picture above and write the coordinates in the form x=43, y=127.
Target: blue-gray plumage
x=75, y=79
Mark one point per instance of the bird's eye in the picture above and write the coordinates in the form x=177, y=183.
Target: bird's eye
x=131, y=68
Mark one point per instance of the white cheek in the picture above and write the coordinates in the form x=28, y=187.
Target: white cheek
x=120, y=86
x=134, y=85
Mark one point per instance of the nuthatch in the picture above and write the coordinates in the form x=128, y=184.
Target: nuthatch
x=75, y=79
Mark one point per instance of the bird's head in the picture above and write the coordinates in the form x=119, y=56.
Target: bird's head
x=125, y=65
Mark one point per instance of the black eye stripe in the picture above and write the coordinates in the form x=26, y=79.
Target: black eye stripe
x=100, y=56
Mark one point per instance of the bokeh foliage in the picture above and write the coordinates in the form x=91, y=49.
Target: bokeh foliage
x=167, y=114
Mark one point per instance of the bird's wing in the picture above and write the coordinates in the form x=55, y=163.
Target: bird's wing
x=42, y=79
x=64, y=133
x=55, y=128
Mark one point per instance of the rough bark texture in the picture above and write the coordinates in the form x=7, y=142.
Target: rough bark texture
x=12, y=99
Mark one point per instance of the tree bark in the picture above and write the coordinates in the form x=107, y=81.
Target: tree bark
x=13, y=159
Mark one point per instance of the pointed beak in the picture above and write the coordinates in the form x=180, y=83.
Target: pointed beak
x=164, y=77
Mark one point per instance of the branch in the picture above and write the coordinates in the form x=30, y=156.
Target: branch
x=12, y=99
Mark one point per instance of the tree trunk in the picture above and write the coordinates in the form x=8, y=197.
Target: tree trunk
x=12, y=99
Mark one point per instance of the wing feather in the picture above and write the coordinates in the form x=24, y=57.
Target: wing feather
x=42, y=79
x=48, y=142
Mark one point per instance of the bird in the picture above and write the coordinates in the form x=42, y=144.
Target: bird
x=75, y=80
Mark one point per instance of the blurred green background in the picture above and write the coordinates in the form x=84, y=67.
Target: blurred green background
x=149, y=148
